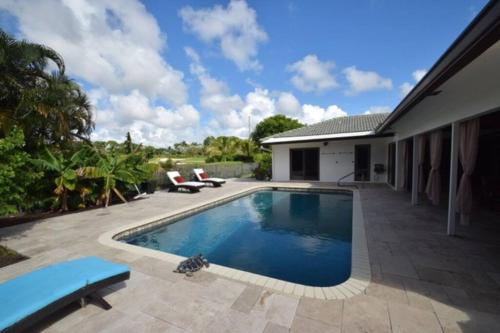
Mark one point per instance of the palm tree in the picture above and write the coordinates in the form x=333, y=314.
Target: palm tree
x=62, y=111
x=248, y=148
x=65, y=173
x=22, y=68
x=224, y=147
x=49, y=107
x=112, y=169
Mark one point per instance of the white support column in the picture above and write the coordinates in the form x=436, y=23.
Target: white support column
x=396, y=167
x=414, y=175
x=453, y=179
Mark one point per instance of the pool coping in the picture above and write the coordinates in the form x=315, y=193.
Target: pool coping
x=357, y=282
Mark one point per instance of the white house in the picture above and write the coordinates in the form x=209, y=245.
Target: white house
x=341, y=147
x=441, y=143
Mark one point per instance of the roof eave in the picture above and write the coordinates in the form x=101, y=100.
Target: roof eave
x=317, y=137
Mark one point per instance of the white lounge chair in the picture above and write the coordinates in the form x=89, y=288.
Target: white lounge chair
x=202, y=176
x=178, y=182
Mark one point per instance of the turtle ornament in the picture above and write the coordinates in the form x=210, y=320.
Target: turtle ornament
x=191, y=265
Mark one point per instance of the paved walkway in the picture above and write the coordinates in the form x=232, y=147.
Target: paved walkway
x=423, y=281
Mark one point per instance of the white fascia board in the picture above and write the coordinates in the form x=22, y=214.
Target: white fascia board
x=317, y=137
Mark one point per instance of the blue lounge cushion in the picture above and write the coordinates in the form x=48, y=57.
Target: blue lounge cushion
x=31, y=292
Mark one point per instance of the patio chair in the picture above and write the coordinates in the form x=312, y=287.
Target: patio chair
x=178, y=182
x=30, y=297
x=202, y=176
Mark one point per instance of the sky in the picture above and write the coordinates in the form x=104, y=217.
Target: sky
x=169, y=71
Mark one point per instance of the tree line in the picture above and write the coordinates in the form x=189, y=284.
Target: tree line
x=216, y=149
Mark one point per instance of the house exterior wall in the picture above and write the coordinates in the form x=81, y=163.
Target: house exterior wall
x=335, y=159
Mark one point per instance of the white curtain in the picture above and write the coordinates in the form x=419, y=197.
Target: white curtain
x=403, y=166
x=433, y=188
x=420, y=161
x=468, y=149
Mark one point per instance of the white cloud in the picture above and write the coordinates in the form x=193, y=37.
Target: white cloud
x=312, y=75
x=378, y=109
x=362, y=81
x=314, y=114
x=406, y=87
x=288, y=105
x=234, y=28
x=110, y=44
x=146, y=133
x=419, y=74
x=231, y=113
x=149, y=124
x=214, y=95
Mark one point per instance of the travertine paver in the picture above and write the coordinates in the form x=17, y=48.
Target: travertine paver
x=275, y=328
x=365, y=314
x=328, y=312
x=246, y=301
x=422, y=280
x=282, y=309
x=406, y=319
x=304, y=324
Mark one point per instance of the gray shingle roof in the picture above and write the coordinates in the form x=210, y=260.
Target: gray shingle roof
x=349, y=124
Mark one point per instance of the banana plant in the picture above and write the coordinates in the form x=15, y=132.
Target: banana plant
x=65, y=174
x=112, y=169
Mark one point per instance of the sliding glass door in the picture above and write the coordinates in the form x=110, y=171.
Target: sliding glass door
x=362, y=162
x=304, y=164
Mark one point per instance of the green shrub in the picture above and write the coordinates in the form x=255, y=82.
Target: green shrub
x=167, y=164
x=263, y=171
x=16, y=174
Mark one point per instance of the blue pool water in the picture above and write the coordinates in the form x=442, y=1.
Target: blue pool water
x=300, y=237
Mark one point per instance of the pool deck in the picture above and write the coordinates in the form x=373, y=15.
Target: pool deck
x=421, y=279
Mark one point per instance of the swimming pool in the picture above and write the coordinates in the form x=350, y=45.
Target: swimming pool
x=297, y=236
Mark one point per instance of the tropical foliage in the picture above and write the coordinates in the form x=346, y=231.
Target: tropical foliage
x=229, y=148
x=263, y=171
x=63, y=171
x=16, y=173
x=48, y=161
x=49, y=107
x=114, y=169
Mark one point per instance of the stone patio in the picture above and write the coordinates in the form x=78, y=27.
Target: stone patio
x=422, y=280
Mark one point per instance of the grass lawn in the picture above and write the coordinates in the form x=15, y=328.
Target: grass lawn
x=183, y=160
x=190, y=160
x=9, y=257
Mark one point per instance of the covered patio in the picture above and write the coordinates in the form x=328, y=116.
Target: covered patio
x=447, y=130
x=422, y=280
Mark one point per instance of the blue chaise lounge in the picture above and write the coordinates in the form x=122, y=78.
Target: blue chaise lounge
x=30, y=297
